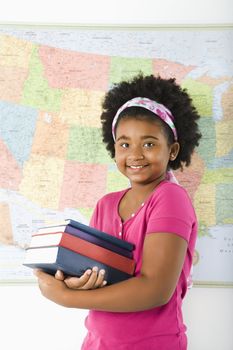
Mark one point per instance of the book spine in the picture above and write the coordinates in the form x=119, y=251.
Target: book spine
x=100, y=234
x=76, y=264
x=98, y=241
x=87, y=237
x=101, y=254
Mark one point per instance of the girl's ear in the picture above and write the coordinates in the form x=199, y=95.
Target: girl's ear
x=175, y=147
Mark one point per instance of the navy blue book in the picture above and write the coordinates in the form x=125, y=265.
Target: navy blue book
x=50, y=259
x=92, y=231
x=87, y=237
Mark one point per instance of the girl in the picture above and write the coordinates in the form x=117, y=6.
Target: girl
x=150, y=127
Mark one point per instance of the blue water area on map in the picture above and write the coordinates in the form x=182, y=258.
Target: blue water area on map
x=215, y=256
x=17, y=129
x=13, y=270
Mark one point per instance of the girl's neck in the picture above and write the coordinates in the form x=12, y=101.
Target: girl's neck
x=142, y=191
x=135, y=198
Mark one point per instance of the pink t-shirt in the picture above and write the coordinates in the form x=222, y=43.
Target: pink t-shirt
x=168, y=209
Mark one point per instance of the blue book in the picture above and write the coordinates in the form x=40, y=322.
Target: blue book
x=92, y=231
x=50, y=259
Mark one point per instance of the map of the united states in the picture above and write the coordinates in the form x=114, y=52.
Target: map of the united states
x=53, y=162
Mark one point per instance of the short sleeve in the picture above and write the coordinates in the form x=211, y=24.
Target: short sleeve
x=171, y=211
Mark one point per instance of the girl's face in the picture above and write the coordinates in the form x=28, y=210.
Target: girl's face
x=142, y=152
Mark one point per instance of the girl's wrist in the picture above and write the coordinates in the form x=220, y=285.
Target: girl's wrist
x=67, y=296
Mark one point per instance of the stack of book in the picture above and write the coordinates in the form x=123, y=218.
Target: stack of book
x=73, y=247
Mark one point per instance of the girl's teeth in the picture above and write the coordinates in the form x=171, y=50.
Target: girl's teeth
x=136, y=167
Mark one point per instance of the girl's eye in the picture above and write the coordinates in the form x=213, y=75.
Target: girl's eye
x=148, y=144
x=125, y=145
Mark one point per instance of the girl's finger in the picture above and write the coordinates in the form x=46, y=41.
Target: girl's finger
x=92, y=280
x=104, y=283
x=59, y=275
x=100, y=279
x=78, y=282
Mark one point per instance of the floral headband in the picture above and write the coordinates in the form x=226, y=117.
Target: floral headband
x=160, y=110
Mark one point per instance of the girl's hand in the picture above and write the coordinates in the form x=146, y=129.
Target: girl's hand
x=51, y=288
x=91, y=279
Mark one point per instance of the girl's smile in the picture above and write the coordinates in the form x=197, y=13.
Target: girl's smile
x=136, y=167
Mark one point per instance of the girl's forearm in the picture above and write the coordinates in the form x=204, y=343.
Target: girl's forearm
x=135, y=294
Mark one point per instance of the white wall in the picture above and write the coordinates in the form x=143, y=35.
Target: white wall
x=27, y=320
x=118, y=11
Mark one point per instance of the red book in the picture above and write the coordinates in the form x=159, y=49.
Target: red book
x=85, y=248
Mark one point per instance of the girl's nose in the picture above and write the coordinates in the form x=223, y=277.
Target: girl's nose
x=137, y=158
x=136, y=154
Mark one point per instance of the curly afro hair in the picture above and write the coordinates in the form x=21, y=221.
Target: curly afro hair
x=164, y=91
